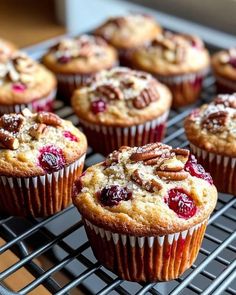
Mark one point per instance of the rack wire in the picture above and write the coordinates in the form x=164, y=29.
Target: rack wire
x=62, y=239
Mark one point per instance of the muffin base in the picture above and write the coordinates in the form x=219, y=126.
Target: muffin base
x=185, y=88
x=42, y=104
x=39, y=196
x=146, y=259
x=111, y=138
x=225, y=85
x=221, y=168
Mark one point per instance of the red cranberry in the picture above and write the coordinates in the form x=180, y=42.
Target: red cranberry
x=98, y=106
x=181, y=203
x=197, y=170
x=70, y=136
x=113, y=195
x=51, y=159
x=64, y=59
x=232, y=62
x=18, y=87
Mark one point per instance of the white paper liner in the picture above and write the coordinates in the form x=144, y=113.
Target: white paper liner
x=34, y=106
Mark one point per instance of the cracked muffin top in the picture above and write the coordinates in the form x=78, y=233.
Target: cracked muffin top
x=121, y=97
x=6, y=49
x=23, y=80
x=37, y=144
x=150, y=190
x=224, y=63
x=84, y=54
x=212, y=127
x=172, y=54
x=129, y=31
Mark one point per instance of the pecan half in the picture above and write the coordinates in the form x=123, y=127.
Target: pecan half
x=216, y=121
x=149, y=152
x=146, y=96
x=174, y=176
x=150, y=186
x=12, y=122
x=7, y=140
x=49, y=119
x=109, y=91
x=37, y=130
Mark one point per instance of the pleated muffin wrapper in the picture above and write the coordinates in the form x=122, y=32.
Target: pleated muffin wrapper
x=185, y=88
x=146, y=259
x=221, y=168
x=111, y=138
x=224, y=85
x=42, y=104
x=39, y=196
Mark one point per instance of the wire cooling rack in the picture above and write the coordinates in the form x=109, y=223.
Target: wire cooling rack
x=62, y=239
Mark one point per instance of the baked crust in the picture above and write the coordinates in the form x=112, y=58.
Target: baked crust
x=122, y=111
x=92, y=57
x=31, y=137
x=219, y=134
x=172, y=54
x=35, y=80
x=145, y=213
x=221, y=66
x=129, y=31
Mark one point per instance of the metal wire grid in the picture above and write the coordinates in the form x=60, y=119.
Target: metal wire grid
x=214, y=271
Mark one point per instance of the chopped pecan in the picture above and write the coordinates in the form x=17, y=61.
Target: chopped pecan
x=216, y=121
x=150, y=186
x=149, y=152
x=49, y=119
x=37, y=130
x=7, y=140
x=12, y=122
x=227, y=100
x=175, y=176
x=109, y=91
x=146, y=96
x=112, y=158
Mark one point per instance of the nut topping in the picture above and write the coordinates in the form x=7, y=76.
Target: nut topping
x=174, y=176
x=109, y=91
x=215, y=121
x=49, y=119
x=150, y=186
x=149, y=152
x=37, y=130
x=7, y=140
x=12, y=122
x=146, y=96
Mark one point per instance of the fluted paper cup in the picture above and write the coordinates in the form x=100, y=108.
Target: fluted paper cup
x=146, y=259
x=111, y=138
x=221, y=168
x=225, y=85
x=42, y=104
x=39, y=196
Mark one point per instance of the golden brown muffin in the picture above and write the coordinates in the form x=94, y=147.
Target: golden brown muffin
x=211, y=131
x=224, y=69
x=129, y=106
x=178, y=60
x=25, y=83
x=40, y=156
x=128, y=32
x=76, y=60
x=142, y=199
x=6, y=50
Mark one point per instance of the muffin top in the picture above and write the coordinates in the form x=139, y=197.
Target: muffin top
x=6, y=49
x=23, y=80
x=129, y=31
x=121, y=97
x=212, y=127
x=37, y=144
x=84, y=54
x=224, y=63
x=172, y=54
x=149, y=190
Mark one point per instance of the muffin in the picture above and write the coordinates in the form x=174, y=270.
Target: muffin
x=128, y=32
x=211, y=131
x=145, y=211
x=6, y=50
x=24, y=83
x=40, y=157
x=178, y=60
x=123, y=107
x=224, y=70
x=76, y=60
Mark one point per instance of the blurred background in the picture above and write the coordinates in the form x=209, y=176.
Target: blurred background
x=27, y=22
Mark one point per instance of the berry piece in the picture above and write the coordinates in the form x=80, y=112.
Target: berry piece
x=113, y=195
x=70, y=136
x=181, y=203
x=232, y=62
x=18, y=87
x=98, y=106
x=51, y=159
x=64, y=59
x=197, y=170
